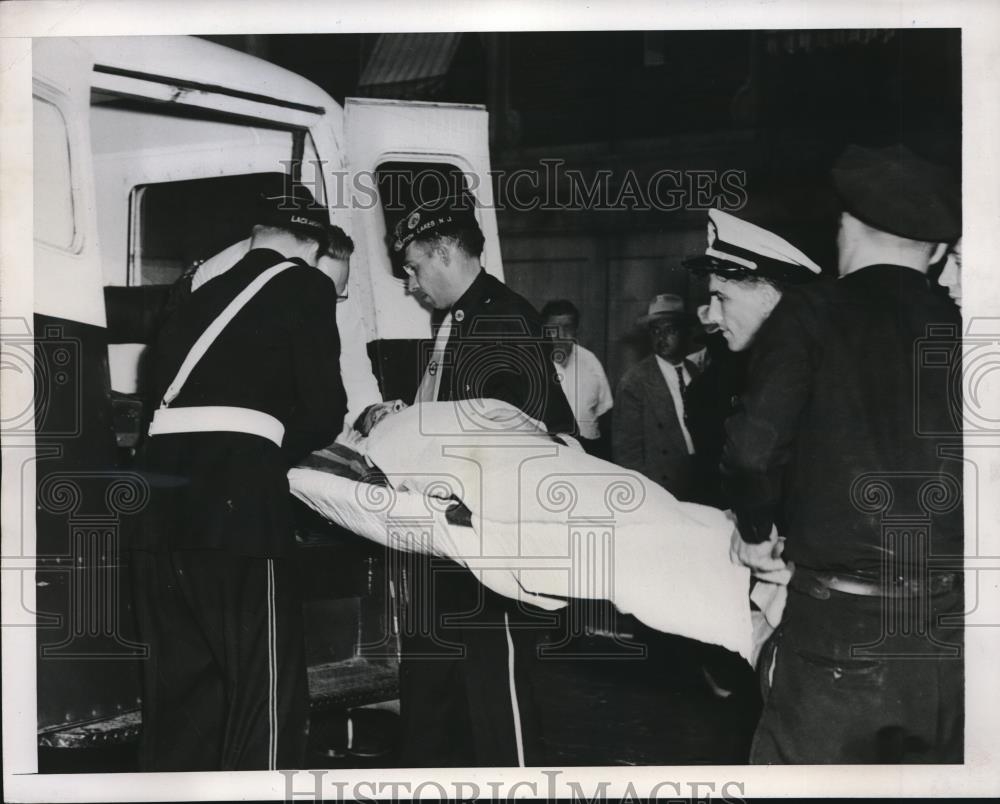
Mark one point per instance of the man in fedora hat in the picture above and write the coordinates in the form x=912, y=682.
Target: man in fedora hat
x=845, y=431
x=650, y=433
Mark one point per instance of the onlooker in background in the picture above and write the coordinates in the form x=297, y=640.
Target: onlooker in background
x=867, y=665
x=650, y=432
x=581, y=376
x=742, y=296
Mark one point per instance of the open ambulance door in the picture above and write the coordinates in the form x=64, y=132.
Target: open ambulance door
x=148, y=152
x=398, y=151
x=86, y=653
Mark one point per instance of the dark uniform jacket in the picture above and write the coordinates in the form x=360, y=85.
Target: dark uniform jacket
x=712, y=397
x=850, y=418
x=279, y=355
x=647, y=435
x=457, y=710
x=496, y=351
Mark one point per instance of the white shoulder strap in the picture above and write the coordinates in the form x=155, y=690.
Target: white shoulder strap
x=215, y=328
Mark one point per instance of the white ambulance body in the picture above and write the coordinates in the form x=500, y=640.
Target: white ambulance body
x=147, y=151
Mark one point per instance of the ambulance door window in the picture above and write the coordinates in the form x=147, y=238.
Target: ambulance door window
x=181, y=224
x=310, y=171
x=54, y=222
x=172, y=181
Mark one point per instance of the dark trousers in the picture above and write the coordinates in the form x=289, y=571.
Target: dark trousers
x=850, y=686
x=225, y=683
x=466, y=692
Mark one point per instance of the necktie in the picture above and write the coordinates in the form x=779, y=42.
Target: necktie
x=430, y=385
x=684, y=412
x=683, y=387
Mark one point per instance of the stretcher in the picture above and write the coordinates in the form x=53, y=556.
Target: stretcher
x=534, y=518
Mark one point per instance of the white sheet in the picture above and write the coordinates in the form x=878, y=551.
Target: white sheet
x=547, y=520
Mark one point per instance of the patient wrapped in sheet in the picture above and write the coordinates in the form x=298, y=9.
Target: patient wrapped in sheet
x=534, y=518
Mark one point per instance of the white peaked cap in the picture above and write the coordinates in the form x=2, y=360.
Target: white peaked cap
x=738, y=241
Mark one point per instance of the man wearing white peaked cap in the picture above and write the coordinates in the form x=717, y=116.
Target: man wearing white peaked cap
x=749, y=266
x=749, y=269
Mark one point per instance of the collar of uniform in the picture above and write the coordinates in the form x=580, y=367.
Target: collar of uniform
x=260, y=259
x=888, y=275
x=478, y=293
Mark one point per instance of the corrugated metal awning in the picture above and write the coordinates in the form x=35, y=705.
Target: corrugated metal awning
x=408, y=65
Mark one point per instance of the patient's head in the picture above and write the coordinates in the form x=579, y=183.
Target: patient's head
x=378, y=414
x=373, y=414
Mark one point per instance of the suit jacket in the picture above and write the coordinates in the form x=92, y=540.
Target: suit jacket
x=647, y=434
x=851, y=414
x=279, y=355
x=497, y=351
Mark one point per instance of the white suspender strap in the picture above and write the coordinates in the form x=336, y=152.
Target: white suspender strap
x=214, y=329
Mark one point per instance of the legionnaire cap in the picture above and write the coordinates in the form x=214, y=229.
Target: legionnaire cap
x=664, y=306
x=895, y=190
x=438, y=217
x=738, y=248
x=289, y=205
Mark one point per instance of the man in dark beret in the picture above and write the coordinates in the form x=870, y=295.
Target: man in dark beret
x=217, y=598
x=846, y=446
x=474, y=709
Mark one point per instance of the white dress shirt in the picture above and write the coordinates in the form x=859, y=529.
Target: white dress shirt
x=430, y=385
x=669, y=372
x=586, y=387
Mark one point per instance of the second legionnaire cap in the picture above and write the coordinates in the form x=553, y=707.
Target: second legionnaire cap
x=895, y=190
x=289, y=205
x=738, y=248
x=441, y=216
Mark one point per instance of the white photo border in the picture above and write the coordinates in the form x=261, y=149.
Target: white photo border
x=20, y=20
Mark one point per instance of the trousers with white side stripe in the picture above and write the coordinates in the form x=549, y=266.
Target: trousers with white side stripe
x=225, y=684
x=467, y=686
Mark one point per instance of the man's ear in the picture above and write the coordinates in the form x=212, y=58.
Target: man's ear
x=443, y=248
x=938, y=253
x=314, y=253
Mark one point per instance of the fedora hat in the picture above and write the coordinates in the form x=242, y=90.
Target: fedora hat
x=665, y=305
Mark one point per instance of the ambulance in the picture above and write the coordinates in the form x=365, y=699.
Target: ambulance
x=147, y=155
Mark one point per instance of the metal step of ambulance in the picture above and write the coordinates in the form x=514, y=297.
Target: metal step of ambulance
x=116, y=730
x=353, y=682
